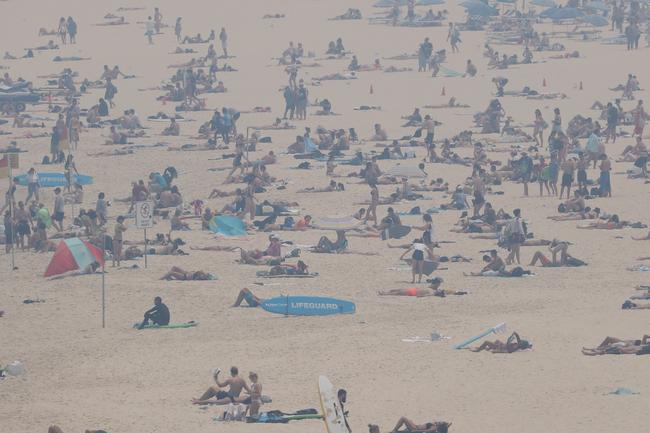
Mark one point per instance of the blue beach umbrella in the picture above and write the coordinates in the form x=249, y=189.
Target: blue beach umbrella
x=478, y=8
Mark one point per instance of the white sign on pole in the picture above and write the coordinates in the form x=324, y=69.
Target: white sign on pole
x=144, y=214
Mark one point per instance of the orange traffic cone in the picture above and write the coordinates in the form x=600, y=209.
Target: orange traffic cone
x=443, y=93
x=371, y=90
x=544, y=82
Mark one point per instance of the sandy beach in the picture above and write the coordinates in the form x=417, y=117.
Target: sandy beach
x=79, y=375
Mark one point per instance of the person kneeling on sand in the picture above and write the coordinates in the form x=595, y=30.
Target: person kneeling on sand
x=216, y=395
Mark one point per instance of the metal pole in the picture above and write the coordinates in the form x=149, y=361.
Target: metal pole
x=11, y=212
x=103, y=280
x=145, y=248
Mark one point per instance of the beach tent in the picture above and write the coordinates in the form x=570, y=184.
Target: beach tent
x=561, y=13
x=71, y=255
x=406, y=171
x=543, y=3
x=390, y=3
x=228, y=225
x=595, y=20
x=479, y=9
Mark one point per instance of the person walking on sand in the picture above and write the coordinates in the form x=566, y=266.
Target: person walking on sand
x=59, y=207
x=110, y=92
x=150, y=28
x=178, y=29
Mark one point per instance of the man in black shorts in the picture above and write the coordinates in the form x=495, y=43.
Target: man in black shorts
x=59, y=207
x=235, y=386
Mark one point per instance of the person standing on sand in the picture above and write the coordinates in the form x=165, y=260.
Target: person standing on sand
x=605, y=184
x=150, y=28
x=612, y=122
x=59, y=207
x=568, y=167
x=71, y=26
x=110, y=92
x=453, y=37
x=223, y=37
x=157, y=19
x=120, y=228
x=516, y=238
x=371, y=213
x=178, y=30
x=63, y=30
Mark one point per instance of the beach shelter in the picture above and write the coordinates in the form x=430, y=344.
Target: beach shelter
x=544, y=3
x=479, y=9
x=595, y=20
x=406, y=171
x=560, y=13
x=73, y=254
x=390, y=3
x=228, y=225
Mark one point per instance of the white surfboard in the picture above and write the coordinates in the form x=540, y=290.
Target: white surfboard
x=332, y=411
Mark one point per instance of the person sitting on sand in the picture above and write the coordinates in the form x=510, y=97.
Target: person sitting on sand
x=273, y=252
x=216, y=395
x=173, y=129
x=178, y=274
x=158, y=315
x=513, y=344
x=177, y=223
x=325, y=245
x=617, y=346
x=429, y=427
x=380, y=133
x=495, y=264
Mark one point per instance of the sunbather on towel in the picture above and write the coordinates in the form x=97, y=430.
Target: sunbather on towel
x=271, y=254
x=414, y=291
x=513, y=344
x=616, y=346
x=216, y=395
x=429, y=427
x=178, y=274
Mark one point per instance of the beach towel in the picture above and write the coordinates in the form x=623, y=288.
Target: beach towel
x=445, y=72
x=227, y=225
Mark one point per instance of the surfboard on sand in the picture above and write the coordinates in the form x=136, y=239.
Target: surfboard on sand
x=49, y=180
x=308, y=306
x=190, y=324
x=332, y=411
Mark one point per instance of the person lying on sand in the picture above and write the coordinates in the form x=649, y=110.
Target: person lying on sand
x=565, y=258
x=332, y=187
x=616, y=346
x=629, y=305
x=451, y=104
x=248, y=296
x=586, y=214
x=57, y=429
x=414, y=291
x=612, y=223
x=179, y=274
x=411, y=427
x=158, y=315
x=215, y=248
x=645, y=238
x=513, y=344
x=216, y=395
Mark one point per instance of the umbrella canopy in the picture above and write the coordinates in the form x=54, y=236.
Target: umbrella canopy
x=228, y=225
x=595, y=20
x=478, y=8
x=561, y=13
x=71, y=255
x=544, y=3
x=598, y=5
x=430, y=2
x=390, y=3
x=406, y=171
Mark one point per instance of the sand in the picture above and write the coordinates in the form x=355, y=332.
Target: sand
x=80, y=376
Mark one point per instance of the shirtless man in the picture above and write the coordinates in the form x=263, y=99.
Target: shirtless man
x=513, y=344
x=411, y=427
x=616, y=346
x=235, y=386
